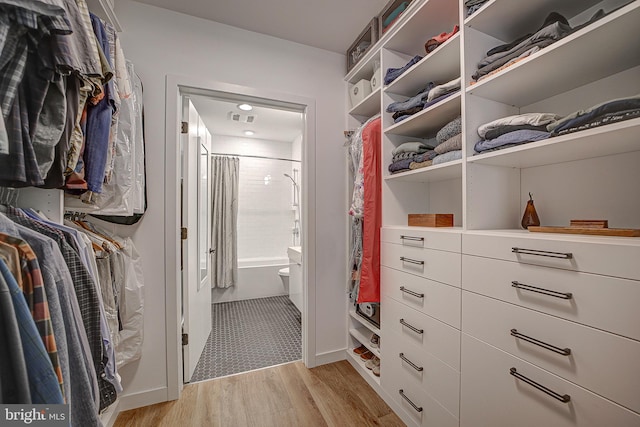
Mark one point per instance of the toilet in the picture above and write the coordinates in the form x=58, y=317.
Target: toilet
x=284, y=276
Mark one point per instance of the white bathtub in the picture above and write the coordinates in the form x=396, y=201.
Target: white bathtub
x=257, y=278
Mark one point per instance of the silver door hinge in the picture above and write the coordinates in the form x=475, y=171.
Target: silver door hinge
x=183, y=233
x=184, y=127
x=185, y=339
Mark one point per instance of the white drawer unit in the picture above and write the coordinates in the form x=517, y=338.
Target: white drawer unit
x=603, y=302
x=498, y=389
x=420, y=408
x=602, y=362
x=439, y=380
x=433, y=298
x=422, y=238
x=427, y=333
x=617, y=257
x=436, y=265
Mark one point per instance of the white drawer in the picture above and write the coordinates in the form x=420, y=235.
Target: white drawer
x=435, y=265
x=422, y=238
x=427, y=412
x=611, y=257
x=439, y=380
x=603, y=302
x=604, y=363
x=492, y=397
x=433, y=298
x=433, y=336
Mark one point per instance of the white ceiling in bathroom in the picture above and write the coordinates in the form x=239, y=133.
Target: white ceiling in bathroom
x=327, y=24
x=269, y=123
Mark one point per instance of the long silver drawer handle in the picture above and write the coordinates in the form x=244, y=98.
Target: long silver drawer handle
x=410, y=292
x=564, y=398
x=413, y=365
x=543, y=291
x=413, y=328
x=412, y=261
x=416, y=407
x=415, y=239
x=562, y=351
x=563, y=255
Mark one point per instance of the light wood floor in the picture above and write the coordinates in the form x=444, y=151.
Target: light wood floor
x=286, y=395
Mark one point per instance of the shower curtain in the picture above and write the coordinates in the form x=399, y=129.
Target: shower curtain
x=224, y=221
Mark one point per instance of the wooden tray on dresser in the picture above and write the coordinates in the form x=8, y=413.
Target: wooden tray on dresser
x=620, y=232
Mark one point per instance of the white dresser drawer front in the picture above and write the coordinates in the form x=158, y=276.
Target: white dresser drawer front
x=492, y=397
x=421, y=238
x=432, y=335
x=604, y=363
x=421, y=408
x=435, y=265
x=433, y=298
x=439, y=380
x=603, y=302
x=611, y=257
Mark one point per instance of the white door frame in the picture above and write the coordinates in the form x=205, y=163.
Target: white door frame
x=176, y=87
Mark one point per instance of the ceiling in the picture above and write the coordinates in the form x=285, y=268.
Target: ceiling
x=269, y=123
x=326, y=24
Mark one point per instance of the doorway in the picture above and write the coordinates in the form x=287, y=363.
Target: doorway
x=294, y=176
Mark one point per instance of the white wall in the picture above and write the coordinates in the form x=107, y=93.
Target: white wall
x=160, y=42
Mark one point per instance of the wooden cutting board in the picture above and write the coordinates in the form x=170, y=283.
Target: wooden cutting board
x=620, y=232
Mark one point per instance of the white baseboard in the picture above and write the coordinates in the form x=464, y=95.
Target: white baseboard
x=330, y=357
x=108, y=417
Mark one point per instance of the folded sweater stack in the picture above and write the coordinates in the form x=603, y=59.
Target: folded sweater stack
x=449, y=140
x=409, y=152
x=514, y=130
x=613, y=111
x=427, y=97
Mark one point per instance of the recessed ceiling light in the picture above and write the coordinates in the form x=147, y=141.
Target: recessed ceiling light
x=245, y=107
x=249, y=132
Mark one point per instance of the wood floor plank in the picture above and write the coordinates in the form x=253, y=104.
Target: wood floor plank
x=282, y=396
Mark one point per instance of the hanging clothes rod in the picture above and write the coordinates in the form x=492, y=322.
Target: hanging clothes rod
x=254, y=157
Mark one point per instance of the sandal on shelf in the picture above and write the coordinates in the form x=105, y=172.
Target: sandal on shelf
x=367, y=355
x=360, y=350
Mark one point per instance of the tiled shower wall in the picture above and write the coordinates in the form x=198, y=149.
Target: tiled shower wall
x=265, y=211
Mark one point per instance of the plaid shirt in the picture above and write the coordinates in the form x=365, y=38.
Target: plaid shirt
x=86, y=293
x=43, y=383
x=36, y=298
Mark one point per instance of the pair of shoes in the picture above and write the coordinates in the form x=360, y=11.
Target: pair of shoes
x=367, y=355
x=376, y=371
x=375, y=341
x=360, y=350
x=375, y=361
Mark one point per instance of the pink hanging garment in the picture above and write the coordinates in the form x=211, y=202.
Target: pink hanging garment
x=370, y=270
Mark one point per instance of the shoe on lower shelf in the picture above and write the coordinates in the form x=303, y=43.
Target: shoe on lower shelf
x=375, y=341
x=360, y=350
x=367, y=355
x=376, y=371
x=375, y=361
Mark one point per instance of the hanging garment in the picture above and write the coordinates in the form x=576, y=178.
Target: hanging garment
x=370, y=276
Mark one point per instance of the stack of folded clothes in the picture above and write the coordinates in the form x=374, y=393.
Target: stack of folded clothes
x=427, y=97
x=554, y=28
x=449, y=140
x=436, y=41
x=514, y=130
x=394, y=73
x=474, y=5
x=613, y=111
x=408, y=152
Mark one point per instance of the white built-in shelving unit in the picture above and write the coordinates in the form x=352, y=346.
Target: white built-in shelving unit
x=592, y=174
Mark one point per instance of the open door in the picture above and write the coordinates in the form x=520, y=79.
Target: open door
x=196, y=284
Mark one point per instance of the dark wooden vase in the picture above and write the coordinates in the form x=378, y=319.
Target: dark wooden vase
x=530, y=216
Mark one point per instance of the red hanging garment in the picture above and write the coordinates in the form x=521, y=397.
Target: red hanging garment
x=372, y=222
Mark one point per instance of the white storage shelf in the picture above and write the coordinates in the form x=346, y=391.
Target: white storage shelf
x=363, y=336
x=440, y=66
x=359, y=364
x=104, y=9
x=364, y=322
x=509, y=19
x=441, y=172
x=570, y=62
x=606, y=140
x=427, y=122
x=368, y=107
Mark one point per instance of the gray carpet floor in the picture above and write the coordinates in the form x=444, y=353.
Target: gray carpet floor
x=248, y=335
